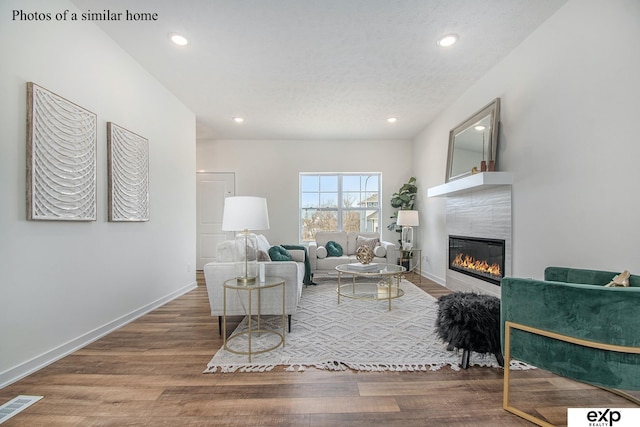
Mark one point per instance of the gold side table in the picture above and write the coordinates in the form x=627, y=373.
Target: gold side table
x=258, y=287
x=411, y=259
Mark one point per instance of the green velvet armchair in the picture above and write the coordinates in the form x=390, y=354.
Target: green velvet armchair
x=572, y=325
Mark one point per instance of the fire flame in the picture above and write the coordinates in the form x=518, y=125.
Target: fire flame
x=470, y=263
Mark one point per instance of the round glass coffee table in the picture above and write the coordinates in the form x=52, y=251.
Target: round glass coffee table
x=388, y=288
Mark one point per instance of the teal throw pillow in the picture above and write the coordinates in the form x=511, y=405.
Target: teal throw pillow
x=278, y=253
x=333, y=248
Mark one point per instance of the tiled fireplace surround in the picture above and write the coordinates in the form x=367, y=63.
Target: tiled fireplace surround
x=478, y=210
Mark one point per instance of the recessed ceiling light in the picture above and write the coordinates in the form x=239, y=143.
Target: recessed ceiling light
x=179, y=39
x=238, y=119
x=480, y=128
x=392, y=119
x=447, y=40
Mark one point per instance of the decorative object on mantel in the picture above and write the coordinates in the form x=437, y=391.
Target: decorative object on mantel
x=404, y=199
x=474, y=143
x=483, y=164
x=61, y=158
x=128, y=170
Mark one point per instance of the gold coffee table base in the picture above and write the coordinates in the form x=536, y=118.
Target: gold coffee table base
x=349, y=291
x=388, y=273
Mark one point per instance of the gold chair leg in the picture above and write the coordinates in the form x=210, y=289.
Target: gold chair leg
x=507, y=371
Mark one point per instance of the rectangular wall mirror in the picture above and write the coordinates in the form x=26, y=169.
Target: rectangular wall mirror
x=474, y=143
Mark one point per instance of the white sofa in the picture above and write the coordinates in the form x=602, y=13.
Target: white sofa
x=322, y=263
x=216, y=273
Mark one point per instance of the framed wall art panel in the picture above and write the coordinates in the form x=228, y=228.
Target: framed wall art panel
x=61, y=158
x=128, y=166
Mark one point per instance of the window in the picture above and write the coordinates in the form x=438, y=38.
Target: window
x=338, y=202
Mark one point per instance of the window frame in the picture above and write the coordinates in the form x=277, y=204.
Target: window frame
x=340, y=209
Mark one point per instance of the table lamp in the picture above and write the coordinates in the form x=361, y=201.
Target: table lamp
x=407, y=219
x=242, y=214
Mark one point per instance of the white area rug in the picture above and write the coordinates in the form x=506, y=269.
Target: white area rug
x=360, y=335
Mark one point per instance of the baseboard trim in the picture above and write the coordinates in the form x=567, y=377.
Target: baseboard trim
x=27, y=368
x=438, y=280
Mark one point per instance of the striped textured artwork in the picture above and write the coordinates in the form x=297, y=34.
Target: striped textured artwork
x=128, y=164
x=61, y=158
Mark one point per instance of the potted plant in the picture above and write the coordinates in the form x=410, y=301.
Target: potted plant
x=403, y=199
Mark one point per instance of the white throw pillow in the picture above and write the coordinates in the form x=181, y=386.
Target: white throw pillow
x=263, y=256
x=225, y=251
x=321, y=252
x=380, y=251
x=370, y=242
x=263, y=243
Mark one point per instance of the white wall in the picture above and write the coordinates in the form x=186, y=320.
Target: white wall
x=271, y=169
x=570, y=113
x=64, y=283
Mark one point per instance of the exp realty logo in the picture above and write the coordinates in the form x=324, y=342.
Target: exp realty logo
x=603, y=417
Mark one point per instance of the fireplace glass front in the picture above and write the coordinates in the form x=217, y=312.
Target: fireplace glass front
x=477, y=257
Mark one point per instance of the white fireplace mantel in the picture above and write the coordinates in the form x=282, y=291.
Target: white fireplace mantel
x=479, y=181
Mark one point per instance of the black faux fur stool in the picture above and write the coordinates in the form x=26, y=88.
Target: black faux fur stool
x=470, y=322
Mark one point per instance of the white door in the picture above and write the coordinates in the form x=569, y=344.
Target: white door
x=211, y=190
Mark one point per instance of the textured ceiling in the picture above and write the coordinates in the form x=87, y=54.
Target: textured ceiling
x=320, y=69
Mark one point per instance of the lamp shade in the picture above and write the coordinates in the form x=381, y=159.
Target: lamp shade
x=408, y=218
x=245, y=213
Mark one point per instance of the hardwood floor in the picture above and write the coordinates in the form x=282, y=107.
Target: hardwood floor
x=149, y=373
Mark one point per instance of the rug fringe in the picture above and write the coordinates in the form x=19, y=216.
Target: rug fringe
x=229, y=369
x=334, y=365
x=380, y=367
x=516, y=365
